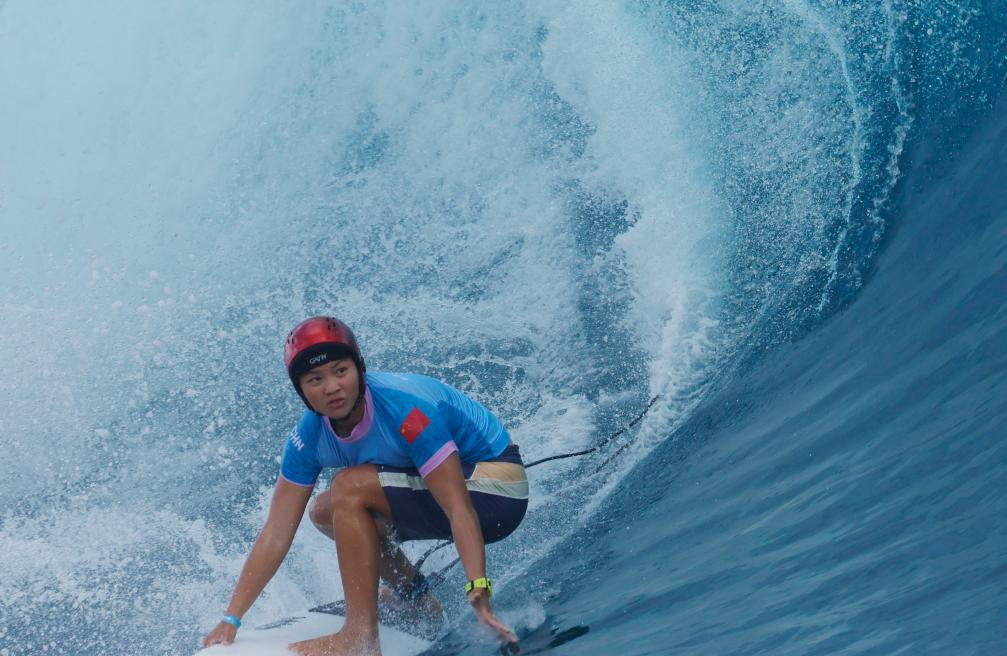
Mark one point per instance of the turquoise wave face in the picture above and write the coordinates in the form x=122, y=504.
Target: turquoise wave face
x=842, y=495
x=565, y=211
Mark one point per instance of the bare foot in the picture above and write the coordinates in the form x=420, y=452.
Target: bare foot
x=338, y=644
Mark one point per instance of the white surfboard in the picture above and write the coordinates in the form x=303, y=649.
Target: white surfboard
x=272, y=639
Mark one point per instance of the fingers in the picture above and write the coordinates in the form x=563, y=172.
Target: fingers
x=222, y=634
x=503, y=630
x=481, y=607
x=490, y=620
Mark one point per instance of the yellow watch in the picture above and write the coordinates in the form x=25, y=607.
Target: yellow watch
x=480, y=584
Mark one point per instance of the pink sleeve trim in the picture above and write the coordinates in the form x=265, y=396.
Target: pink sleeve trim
x=439, y=457
x=295, y=482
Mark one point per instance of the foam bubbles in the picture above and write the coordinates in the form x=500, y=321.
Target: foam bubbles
x=563, y=212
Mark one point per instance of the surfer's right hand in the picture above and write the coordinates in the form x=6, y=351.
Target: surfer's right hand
x=222, y=634
x=481, y=607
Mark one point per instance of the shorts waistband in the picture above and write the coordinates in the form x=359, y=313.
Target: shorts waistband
x=510, y=454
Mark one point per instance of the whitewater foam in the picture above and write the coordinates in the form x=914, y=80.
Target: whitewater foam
x=563, y=212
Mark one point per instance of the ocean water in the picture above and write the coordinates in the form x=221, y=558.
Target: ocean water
x=786, y=221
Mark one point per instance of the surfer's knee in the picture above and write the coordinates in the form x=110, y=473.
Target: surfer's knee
x=353, y=486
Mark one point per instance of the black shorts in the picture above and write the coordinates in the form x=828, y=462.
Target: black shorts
x=500, y=505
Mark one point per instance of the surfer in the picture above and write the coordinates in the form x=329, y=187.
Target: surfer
x=417, y=459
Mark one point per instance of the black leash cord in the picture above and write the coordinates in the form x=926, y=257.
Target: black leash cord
x=560, y=457
x=438, y=577
x=419, y=563
x=605, y=441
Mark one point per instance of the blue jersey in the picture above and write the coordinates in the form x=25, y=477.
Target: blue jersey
x=409, y=421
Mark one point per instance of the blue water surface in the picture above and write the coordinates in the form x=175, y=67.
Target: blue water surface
x=783, y=222
x=847, y=494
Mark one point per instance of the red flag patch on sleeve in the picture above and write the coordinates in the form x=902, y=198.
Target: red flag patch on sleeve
x=414, y=424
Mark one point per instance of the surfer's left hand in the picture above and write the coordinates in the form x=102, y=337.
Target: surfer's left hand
x=481, y=606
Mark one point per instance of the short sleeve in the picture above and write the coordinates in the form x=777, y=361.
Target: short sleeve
x=429, y=442
x=300, y=464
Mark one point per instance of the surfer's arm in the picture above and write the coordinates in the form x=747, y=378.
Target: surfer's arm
x=447, y=485
x=269, y=550
x=272, y=545
x=285, y=513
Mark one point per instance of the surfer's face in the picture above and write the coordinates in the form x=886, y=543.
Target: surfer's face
x=332, y=388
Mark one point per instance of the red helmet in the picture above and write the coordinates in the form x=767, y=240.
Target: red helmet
x=316, y=341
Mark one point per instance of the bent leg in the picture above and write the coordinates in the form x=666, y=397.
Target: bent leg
x=393, y=566
x=354, y=500
x=320, y=513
